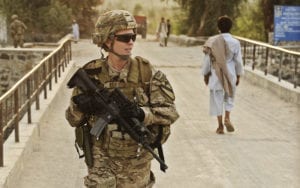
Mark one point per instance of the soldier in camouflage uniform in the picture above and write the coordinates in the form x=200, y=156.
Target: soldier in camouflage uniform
x=17, y=29
x=118, y=161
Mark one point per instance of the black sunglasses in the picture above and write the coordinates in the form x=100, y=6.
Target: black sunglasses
x=126, y=37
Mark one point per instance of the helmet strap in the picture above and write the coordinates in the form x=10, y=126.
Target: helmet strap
x=102, y=54
x=123, y=57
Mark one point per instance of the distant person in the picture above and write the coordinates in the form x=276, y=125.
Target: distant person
x=168, y=32
x=162, y=31
x=75, y=30
x=17, y=30
x=222, y=68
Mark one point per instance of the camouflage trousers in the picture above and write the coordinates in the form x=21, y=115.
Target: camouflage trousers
x=18, y=40
x=119, y=172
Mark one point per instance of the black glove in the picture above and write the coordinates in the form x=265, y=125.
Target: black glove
x=86, y=103
x=132, y=110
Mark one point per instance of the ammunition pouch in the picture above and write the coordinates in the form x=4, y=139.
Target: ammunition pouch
x=83, y=142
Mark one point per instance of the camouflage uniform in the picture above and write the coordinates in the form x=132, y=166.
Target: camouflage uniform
x=17, y=29
x=119, y=162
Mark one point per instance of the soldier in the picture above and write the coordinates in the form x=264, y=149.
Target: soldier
x=119, y=161
x=17, y=29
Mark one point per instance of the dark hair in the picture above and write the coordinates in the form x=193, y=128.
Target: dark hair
x=224, y=24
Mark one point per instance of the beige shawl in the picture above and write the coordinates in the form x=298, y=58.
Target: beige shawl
x=217, y=49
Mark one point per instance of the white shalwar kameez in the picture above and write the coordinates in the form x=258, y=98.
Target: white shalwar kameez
x=75, y=29
x=234, y=64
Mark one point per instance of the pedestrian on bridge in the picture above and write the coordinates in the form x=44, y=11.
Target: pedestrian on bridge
x=222, y=68
x=75, y=31
x=162, y=31
x=117, y=159
x=168, y=32
x=17, y=30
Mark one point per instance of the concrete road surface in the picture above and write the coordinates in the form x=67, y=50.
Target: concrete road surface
x=264, y=151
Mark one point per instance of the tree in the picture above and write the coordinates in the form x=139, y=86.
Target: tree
x=137, y=9
x=53, y=17
x=249, y=23
x=85, y=14
x=202, y=15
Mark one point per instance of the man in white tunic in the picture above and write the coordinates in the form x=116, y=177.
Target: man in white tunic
x=162, y=31
x=222, y=68
x=75, y=30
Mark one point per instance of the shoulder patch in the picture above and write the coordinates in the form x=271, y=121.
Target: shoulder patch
x=145, y=69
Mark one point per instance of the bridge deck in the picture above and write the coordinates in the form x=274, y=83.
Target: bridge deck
x=263, y=152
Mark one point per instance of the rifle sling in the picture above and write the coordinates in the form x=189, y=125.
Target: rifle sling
x=157, y=144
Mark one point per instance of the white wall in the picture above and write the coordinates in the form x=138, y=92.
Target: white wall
x=3, y=30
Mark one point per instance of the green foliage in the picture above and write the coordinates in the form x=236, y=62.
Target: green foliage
x=85, y=14
x=52, y=17
x=179, y=23
x=202, y=15
x=137, y=9
x=250, y=22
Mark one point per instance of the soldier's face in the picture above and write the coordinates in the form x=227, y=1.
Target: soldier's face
x=123, y=42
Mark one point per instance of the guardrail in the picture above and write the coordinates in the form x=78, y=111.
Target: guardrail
x=274, y=60
x=17, y=101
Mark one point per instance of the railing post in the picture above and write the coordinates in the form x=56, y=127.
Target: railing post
x=50, y=73
x=56, y=66
x=64, y=63
x=295, y=74
x=36, y=88
x=280, y=67
x=70, y=49
x=45, y=81
x=60, y=63
x=266, y=62
x=253, y=57
x=16, y=111
x=1, y=137
x=28, y=101
x=245, y=50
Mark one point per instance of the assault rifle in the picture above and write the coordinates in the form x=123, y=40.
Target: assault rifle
x=112, y=103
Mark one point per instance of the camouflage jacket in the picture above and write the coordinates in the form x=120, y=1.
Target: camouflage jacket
x=17, y=27
x=139, y=81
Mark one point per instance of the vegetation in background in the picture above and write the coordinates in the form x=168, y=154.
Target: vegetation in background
x=202, y=15
x=152, y=9
x=250, y=22
x=52, y=17
x=252, y=18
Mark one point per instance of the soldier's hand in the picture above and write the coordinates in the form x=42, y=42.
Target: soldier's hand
x=85, y=103
x=133, y=111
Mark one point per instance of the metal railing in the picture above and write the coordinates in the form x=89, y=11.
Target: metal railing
x=17, y=102
x=274, y=60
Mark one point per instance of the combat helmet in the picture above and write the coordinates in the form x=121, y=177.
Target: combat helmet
x=111, y=22
x=14, y=16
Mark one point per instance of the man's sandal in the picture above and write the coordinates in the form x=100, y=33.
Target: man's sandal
x=228, y=125
x=220, y=131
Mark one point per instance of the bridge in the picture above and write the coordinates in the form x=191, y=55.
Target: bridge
x=263, y=151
